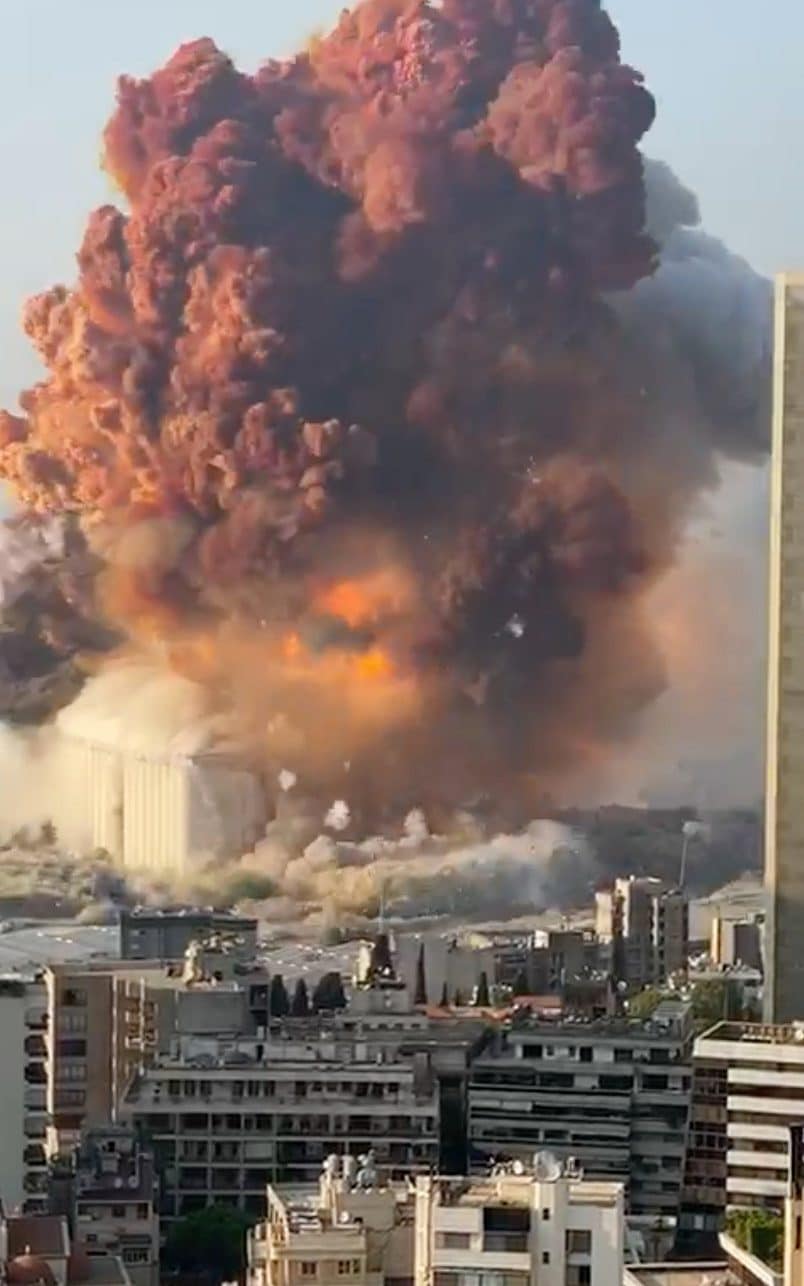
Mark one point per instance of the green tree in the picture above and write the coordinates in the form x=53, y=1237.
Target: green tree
x=209, y=1243
x=279, y=1001
x=521, y=987
x=714, y=1001
x=300, y=1005
x=420, y=997
x=644, y=1002
x=482, y=997
x=329, y=993
x=760, y=1232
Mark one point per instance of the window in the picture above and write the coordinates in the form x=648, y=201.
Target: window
x=142, y=1210
x=135, y=1255
x=118, y=1212
x=348, y=1267
x=545, y=1256
x=72, y=1048
x=308, y=1268
x=453, y=1240
x=546, y=1214
x=579, y=1241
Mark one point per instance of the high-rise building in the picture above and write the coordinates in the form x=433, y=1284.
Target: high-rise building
x=751, y=1085
x=643, y=930
x=23, y=1093
x=784, y=813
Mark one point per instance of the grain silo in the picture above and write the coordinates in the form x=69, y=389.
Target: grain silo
x=166, y=813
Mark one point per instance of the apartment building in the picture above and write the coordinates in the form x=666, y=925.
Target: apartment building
x=107, y=1018
x=227, y=1117
x=642, y=927
x=613, y=1094
x=112, y=1200
x=784, y=805
x=518, y=1226
x=352, y=1228
x=736, y=942
x=757, y=1070
x=148, y=934
x=703, y=1191
x=23, y=1092
x=37, y=1250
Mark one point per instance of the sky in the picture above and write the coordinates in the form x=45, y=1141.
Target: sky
x=730, y=123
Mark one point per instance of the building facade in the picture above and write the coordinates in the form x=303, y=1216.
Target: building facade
x=784, y=804
x=352, y=1229
x=613, y=1094
x=642, y=927
x=758, y=1072
x=519, y=1226
x=226, y=1122
x=23, y=1093
x=112, y=1209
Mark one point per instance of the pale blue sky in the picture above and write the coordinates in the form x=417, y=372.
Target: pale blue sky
x=728, y=79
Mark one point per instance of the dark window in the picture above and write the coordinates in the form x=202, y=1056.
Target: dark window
x=72, y=1048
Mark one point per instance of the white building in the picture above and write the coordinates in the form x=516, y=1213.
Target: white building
x=519, y=1227
x=352, y=1229
x=23, y=1092
x=522, y=1226
x=763, y=1088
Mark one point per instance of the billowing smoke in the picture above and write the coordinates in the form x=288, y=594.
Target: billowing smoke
x=385, y=405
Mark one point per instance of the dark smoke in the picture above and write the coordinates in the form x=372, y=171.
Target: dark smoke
x=351, y=410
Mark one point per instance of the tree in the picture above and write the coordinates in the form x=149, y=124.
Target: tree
x=444, y=1001
x=521, y=985
x=300, y=1005
x=420, y=997
x=644, y=1002
x=208, y=1243
x=714, y=1001
x=482, y=997
x=458, y=1001
x=760, y=1232
x=278, y=1000
x=329, y=993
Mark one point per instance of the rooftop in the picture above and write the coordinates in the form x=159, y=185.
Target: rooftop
x=43, y=1235
x=756, y=1033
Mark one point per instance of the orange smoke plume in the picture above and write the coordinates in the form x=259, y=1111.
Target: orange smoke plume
x=345, y=359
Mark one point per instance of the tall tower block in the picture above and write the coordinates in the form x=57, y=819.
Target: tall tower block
x=784, y=824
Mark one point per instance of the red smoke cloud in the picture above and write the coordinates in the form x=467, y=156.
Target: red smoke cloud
x=343, y=381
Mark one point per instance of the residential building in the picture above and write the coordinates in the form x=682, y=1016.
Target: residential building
x=784, y=803
x=736, y=942
x=521, y=1225
x=23, y=1093
x=703, y=1193
x=351, y=1228
x=755, y=1072
x=148, y=934
x=226, y=1117
x=643, y=930
x=106, y=1018
x=38, y=1249
x=109, y=1197
x=614, y=1094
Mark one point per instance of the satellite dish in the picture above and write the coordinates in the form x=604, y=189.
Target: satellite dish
x=546, y=1167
